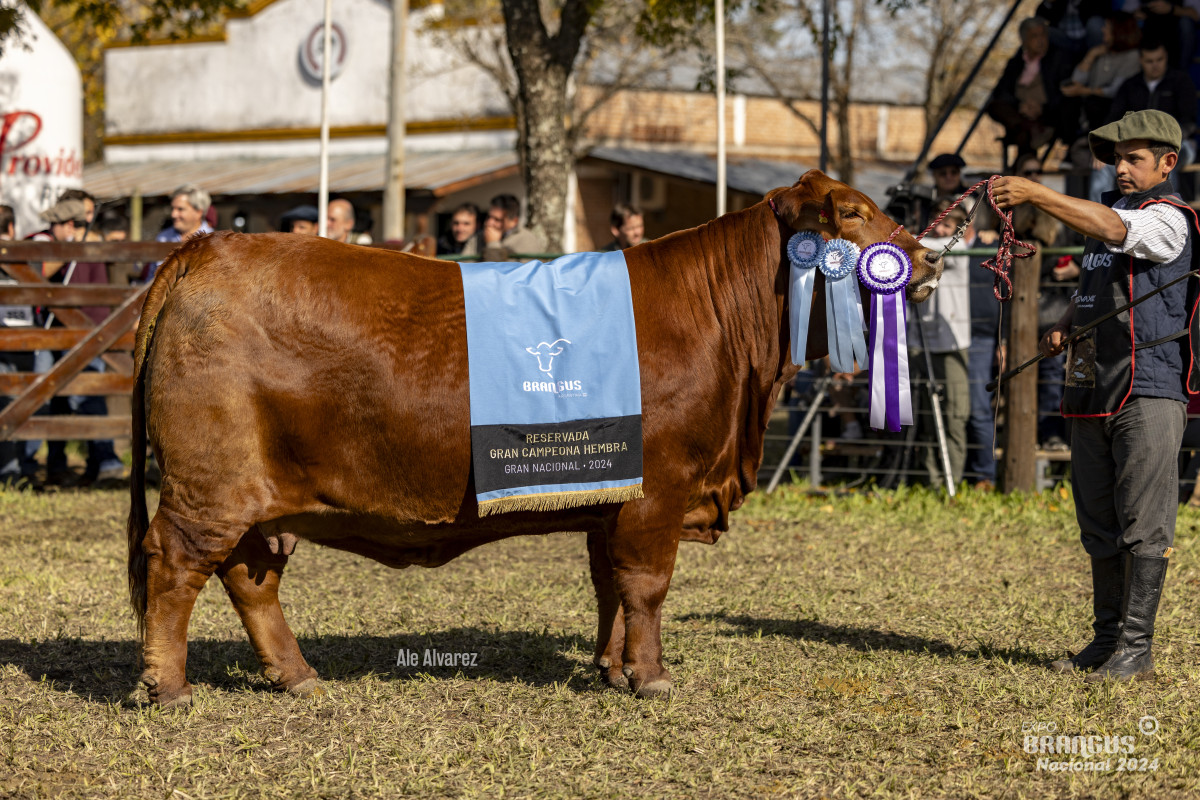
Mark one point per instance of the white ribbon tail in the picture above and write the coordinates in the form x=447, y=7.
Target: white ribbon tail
x=800, y=300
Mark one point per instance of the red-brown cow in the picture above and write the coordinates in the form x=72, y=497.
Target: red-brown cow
x=297, y=387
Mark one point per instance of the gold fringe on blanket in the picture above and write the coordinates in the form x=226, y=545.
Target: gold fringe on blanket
x=553, y=501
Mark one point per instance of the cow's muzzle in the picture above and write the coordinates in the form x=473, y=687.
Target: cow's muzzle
x=927, y=271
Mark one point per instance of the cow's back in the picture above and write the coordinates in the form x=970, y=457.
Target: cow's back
x=305, y=376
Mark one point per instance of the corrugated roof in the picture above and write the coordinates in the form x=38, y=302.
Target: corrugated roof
x=754, y=176
x=436, y=172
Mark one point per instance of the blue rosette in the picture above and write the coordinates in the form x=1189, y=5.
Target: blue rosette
x=805, y=250
x=843, y=306
x=885, y=270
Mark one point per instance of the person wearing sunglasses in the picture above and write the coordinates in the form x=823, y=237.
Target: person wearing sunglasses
x=946, y=171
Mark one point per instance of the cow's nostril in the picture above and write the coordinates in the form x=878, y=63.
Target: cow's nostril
x=932, y=259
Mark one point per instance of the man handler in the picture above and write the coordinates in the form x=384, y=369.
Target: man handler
x=1127, y=380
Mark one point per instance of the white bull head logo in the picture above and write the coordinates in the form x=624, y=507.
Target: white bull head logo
x=545, y=354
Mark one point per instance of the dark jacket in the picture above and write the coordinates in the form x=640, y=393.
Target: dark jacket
x=1175, y=94
x=1056, y=68
x=1110, y=280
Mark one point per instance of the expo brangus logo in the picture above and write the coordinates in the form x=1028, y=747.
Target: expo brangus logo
x=17, y=158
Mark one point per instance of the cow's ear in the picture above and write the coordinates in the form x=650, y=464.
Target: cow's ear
x=789, y=204
x=531, y=351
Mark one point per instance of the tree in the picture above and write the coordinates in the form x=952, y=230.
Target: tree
x=780, y=49
x=537, y=54
x=956, y=33
x=138, y=19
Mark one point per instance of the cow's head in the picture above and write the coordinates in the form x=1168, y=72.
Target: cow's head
x=817, y=202
x=545, y=353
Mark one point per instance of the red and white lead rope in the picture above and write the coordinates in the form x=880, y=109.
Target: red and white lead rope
x=1001, y=264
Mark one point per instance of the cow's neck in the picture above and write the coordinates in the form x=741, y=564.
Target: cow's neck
x=744, y=281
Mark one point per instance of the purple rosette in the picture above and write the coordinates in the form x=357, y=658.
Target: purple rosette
x=885, y=270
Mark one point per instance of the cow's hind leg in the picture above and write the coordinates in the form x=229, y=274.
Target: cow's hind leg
x=181, y=555
x=610, y=632
x=642, y=550
x=251, y=576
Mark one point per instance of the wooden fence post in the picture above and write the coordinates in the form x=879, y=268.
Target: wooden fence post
x=1020, y=416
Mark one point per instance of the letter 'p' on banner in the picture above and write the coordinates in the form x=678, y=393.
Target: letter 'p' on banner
x=41, y=123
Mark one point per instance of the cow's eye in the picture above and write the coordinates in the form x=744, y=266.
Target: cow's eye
x=850, y=213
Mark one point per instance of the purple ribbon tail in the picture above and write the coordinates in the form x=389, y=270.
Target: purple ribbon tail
x=891, y=397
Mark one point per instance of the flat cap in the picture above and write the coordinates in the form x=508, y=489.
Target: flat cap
x=947, y=160
x=306, y=213
x=1151, y=124
x=65, y=211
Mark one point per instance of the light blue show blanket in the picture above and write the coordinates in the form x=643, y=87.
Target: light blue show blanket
x=556, y=400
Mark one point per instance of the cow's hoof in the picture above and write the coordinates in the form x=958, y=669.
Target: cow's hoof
x=308, y=689
x=611, y=675
x=165, y=698
x=659, y=687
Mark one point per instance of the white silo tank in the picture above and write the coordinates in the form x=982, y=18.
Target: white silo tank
x=41, y=122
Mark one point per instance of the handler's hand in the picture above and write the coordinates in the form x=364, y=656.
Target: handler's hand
x=1053, y=342
x=1011, y=191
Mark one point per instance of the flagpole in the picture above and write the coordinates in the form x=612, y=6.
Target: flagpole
x=326, y=66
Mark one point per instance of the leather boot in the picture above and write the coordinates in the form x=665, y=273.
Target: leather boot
x=1108, y=584
x=1144, y=576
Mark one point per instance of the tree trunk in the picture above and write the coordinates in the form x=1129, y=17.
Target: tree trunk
x=543, y=64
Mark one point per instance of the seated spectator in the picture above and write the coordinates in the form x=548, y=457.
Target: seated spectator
x=301, y=219
x=1074, y=24
x=1027, y=101
x=1097, y=77
x=503, y=234
x=1173, y=23
x=463, y=237
x=628, y=227
x=1157, y=87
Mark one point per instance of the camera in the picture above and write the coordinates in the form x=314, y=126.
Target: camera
x=909, y=204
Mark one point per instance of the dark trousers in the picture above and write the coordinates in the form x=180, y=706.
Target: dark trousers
x=981, y=458
x=101, y=452
x=1125, y=475
x=1051, y=373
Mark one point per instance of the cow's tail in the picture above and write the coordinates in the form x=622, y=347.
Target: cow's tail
x=167, y=276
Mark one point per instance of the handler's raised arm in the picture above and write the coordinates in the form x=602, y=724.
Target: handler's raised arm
x=1083, y=216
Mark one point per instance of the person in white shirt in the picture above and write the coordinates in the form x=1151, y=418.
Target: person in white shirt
x=945, y=320
x=1127, y=380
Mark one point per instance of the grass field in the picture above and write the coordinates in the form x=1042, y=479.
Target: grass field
x=862, y=646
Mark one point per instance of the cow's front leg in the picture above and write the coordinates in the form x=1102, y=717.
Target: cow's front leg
x=251, y=576
x=643, y=558
x=610, y=630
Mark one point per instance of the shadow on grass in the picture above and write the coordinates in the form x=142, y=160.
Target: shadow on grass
x=869, y=639
x=107, y=670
